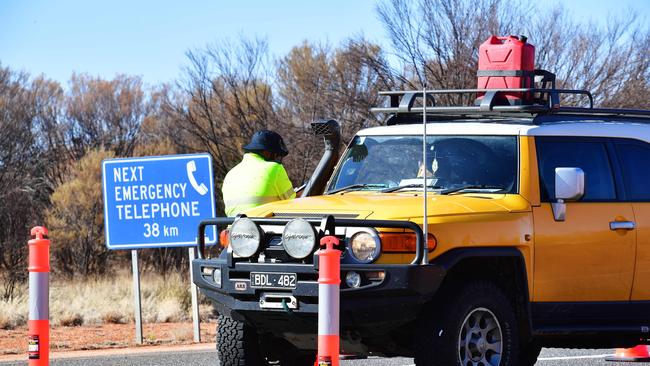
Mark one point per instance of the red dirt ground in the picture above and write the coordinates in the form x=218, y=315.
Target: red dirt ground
x=106, y=336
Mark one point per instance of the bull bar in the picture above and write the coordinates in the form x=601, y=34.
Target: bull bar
x=326, y=223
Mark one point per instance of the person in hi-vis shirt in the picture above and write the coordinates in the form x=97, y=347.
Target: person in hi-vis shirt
x=260, y=177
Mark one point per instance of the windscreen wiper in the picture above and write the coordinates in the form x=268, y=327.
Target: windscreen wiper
x=355, y=187
x=472, y=188
x=414, y=185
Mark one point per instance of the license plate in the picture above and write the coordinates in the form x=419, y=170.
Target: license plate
x=273, y=280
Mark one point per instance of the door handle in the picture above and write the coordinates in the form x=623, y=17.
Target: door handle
x=621, y=225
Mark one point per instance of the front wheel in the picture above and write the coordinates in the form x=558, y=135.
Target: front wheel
x=237, y=344
x=474, y=327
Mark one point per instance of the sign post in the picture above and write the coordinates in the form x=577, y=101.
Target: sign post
x=195, y=300
x=156, y=202
x=136, y=296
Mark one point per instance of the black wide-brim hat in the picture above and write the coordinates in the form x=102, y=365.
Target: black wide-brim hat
x=266, y=140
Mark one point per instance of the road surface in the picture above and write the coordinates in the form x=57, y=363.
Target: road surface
x=549, y=357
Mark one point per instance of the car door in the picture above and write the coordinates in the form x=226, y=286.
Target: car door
x=634, y=158
x=590, y=255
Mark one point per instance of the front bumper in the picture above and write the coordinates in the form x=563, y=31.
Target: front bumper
x=378, y=315
x=372, y=310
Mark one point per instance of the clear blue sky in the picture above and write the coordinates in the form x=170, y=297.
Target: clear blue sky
x=150, y=38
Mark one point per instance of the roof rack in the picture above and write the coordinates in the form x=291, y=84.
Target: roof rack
x=494, y=102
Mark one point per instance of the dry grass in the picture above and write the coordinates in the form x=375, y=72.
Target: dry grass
x=109, y=301
x=181, y=334
x=13, y=313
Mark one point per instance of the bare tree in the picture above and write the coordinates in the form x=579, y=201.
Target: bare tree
x=224, y=98
x=231, y=90
x=316, y=81
x=22, y=175
x=437, y=41
x=104, y=114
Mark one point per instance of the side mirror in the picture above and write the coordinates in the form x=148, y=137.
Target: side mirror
x=569, y=186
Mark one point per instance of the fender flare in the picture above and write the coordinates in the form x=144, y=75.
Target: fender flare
x=448, y=260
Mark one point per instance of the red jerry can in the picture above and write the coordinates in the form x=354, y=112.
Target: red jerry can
x=507, y=63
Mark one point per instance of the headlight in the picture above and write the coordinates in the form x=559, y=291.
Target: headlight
x=299, y=238
x=245, y=237
x=365, y=246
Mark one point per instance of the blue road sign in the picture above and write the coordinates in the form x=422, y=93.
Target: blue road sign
x=155, y=202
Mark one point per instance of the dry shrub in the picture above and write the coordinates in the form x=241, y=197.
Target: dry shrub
x=75, y=220
x=71, y=319
x=5, y=322
x=207, y=312
x=13, y=312
x=166, y=299
x=9, y=322
x=113, y=317
x=169, y=311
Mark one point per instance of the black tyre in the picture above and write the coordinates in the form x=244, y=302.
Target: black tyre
x=237, y=344
x=476, y=326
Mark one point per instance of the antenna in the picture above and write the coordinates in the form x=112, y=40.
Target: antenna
x=425, y=219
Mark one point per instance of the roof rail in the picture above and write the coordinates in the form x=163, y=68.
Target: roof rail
x=492, y=101
x=545, y=101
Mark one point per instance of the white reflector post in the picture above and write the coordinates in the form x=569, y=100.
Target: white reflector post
x=38, y=350
x=329, y=282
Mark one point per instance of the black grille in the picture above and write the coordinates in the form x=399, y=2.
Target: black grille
x=324, y=127
x=275, y=250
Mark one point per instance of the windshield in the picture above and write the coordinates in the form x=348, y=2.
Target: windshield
x=453, y=162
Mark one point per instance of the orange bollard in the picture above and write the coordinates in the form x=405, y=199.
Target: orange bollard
x=39, y=298
x=634, y=354
x=329, y=282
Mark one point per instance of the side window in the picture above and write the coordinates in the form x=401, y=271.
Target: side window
x=635, y=163
x=589, y=155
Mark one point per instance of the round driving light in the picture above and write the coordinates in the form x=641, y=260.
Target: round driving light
x=299, y=238
x=365, y=246
x=353, y=279
x=245, y=237
x=216, y=276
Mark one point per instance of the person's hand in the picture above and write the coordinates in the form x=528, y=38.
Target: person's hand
x=421, y=172
x=299, y=190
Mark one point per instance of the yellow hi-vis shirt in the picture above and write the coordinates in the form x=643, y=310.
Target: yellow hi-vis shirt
x=253, y=182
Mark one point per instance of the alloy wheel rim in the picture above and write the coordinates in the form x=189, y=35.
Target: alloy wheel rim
x=480, y=340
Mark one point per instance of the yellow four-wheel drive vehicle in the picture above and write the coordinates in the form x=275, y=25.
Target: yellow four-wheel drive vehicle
x=538, y=235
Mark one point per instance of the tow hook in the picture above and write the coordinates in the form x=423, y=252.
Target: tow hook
x=282, y=301
x=286, y=307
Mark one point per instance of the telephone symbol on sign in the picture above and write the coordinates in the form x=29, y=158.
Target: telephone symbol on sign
x=200, y=188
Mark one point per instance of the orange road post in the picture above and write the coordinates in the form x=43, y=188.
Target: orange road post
x=635, y=354
x=39, y=298
x=329, y=282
